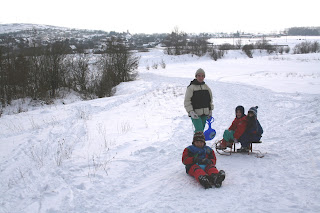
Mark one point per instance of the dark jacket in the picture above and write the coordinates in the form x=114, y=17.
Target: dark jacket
x=253, y=133
x=198, y=98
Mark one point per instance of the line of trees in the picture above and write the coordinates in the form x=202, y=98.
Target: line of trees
x=304, y=31
x=178, y=43
x=42, y=71
x=263, y=44
x=307, y=47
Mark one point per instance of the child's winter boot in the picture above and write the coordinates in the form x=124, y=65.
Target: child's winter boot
x=216, y=179
x=203, y=179
x=243, y=149
x=229, y=144
x=222, y=144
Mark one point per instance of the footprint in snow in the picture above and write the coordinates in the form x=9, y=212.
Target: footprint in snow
x=145, y=150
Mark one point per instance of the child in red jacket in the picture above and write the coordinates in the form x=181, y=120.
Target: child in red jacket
x=235, y=131
x=200, y=162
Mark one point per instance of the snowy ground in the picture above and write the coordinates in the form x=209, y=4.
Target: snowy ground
x=123, y=153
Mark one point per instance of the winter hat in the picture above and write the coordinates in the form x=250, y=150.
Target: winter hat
x=241, y=108
x=199, y=136
x=254, y=110
x=200, y=71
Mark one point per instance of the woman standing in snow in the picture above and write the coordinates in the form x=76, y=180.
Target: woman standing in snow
x=198, y=101
x=200, y=162
x=253, y=130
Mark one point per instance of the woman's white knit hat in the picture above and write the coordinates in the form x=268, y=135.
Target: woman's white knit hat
x=200, y=71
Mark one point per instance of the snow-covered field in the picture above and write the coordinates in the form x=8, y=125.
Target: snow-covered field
x=123, y=153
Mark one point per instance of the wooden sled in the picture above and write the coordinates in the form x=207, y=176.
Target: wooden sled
x=229, y=150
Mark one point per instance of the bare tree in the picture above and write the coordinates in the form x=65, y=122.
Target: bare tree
x=79, y=68
x=238, y=44
x=54, y=57
x=2, y=78
x=118, y=65
x=176, y=42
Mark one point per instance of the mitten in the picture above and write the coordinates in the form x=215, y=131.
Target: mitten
x=193, y=115
x=210, y=114
x=196, y=160
x=235, y=140
x=206, y=161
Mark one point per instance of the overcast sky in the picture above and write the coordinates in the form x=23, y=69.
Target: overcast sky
x=162, y=16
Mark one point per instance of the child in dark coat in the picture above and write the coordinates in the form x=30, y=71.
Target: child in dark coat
x=200, y=161
x=253, y=132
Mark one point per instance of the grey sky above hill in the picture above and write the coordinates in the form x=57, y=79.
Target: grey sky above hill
x=148, y=16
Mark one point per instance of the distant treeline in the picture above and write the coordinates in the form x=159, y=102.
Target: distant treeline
x=304, y=31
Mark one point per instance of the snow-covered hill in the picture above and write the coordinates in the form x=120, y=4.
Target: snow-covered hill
x=17, y=27
x=123, y=153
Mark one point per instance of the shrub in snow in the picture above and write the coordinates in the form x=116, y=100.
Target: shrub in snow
x=216, y=54
x=155, y=66
x=287, y=49
x=163, y=64
x=280, y=50
x=226, y=46
x=248, y=50
x=307, y=47
x=270, y=48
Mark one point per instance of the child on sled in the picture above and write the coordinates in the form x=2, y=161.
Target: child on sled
x=253, y=131
x=200, y=161
x=235, y=131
